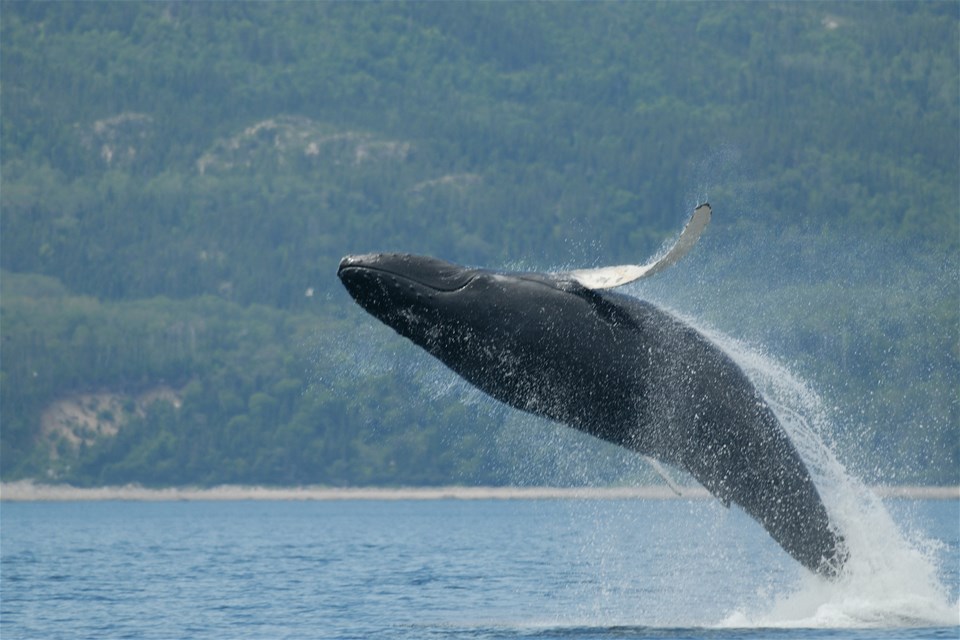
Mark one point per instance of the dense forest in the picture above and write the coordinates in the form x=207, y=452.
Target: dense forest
x=179, y=181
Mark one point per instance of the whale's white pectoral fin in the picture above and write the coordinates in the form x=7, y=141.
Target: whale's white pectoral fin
x=609, y=277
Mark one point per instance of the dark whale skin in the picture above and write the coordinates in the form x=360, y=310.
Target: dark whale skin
x=612, y=366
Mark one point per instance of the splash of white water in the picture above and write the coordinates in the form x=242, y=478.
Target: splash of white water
x=890, y=579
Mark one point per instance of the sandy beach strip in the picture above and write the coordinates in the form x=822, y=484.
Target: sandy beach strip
x=27, y=491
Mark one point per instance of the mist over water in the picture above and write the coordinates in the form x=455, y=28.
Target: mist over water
x=758, y=281
x=892, y=578
x=895, y=577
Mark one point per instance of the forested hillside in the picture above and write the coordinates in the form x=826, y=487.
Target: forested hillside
x=179, y=181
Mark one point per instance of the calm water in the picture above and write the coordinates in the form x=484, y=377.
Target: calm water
x=454, y=569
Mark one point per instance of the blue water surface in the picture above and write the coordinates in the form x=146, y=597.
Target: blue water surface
x=413, y=569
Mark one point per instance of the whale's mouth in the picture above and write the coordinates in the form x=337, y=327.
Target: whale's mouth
x=432, y=273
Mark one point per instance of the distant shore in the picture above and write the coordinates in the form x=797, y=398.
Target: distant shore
x=26, y=491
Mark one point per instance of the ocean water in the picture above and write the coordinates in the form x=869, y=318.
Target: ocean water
x=453, y=568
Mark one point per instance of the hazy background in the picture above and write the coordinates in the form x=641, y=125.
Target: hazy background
x=179, y=181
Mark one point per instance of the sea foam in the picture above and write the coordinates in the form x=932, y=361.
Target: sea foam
x=892, y=575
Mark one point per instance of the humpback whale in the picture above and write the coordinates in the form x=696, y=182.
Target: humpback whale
x=563, y=346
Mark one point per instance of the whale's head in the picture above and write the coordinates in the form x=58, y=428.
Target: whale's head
x=404, y=291
x=451, y=310
x=528, y=339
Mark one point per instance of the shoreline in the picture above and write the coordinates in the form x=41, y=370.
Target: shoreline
x=27, y=491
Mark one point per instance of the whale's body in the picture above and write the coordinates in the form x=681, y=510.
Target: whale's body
x=610, y=365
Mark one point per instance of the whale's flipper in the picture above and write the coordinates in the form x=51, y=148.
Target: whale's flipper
x=656, y=466
x=609, y=277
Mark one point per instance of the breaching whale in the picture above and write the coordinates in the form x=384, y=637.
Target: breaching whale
x=560, y=345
